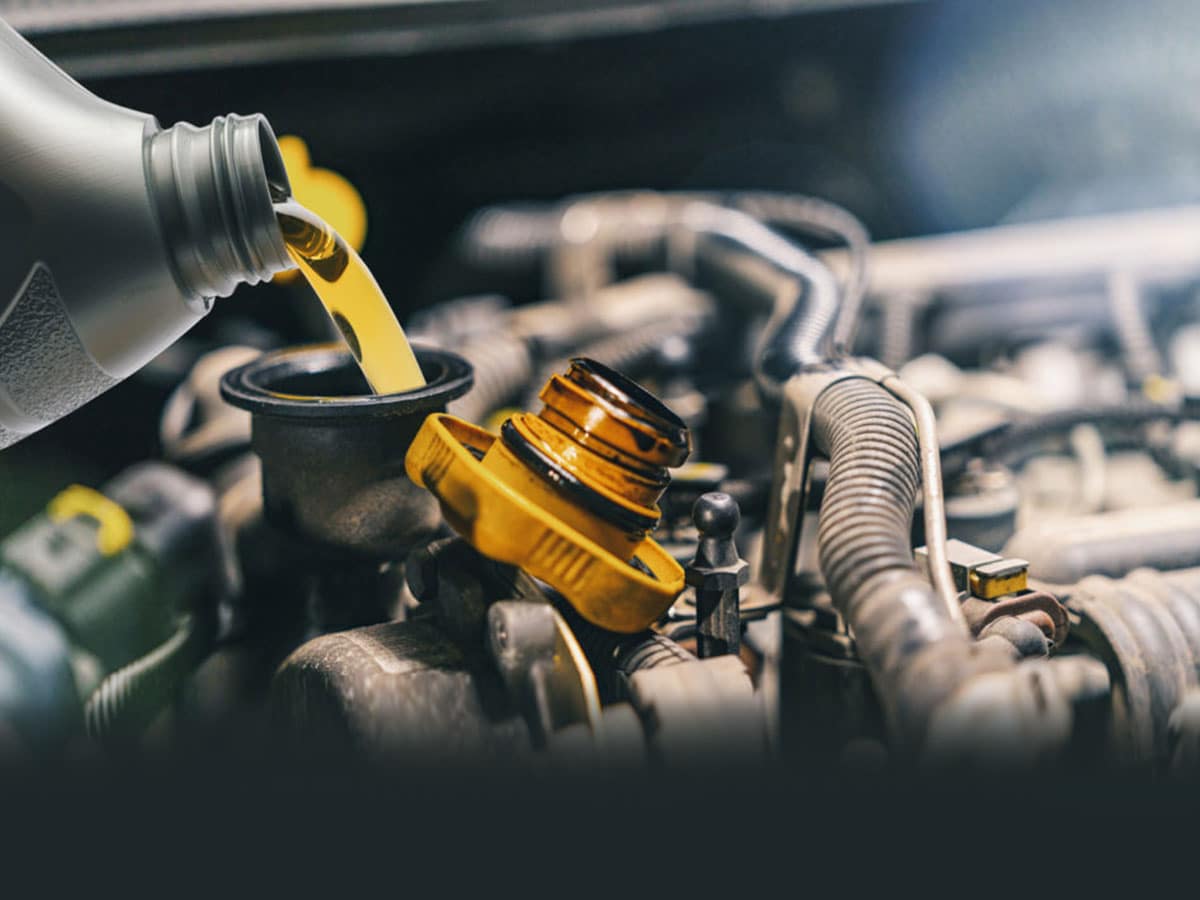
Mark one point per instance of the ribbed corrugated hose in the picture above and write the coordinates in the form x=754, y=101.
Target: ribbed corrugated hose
x=799, y=335
x=503, y=367
x=873, y=482
x=128, y=699
x=916, y=654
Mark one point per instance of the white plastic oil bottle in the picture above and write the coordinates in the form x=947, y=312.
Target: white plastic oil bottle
x=115, y=234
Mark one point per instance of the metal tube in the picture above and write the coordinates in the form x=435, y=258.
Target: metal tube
x=931, y=492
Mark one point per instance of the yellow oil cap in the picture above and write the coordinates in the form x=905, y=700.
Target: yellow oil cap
x=568, y=494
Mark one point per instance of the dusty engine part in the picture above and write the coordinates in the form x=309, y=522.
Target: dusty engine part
x=874, y=583
x=424, y=687
x=1064, y=551
x=866, y=559
x=114, y=599
x=615, y=657
x=329, y=447
x=543, y=667
x=332, y=484
x=491, y=666
x=1146, y=628
x=397, y=689
x=540, y=655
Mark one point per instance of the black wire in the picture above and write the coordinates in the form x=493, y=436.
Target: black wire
x=1013, y=442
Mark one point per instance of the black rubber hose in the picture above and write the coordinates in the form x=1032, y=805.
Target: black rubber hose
x=828, y=220
x=610, y=652
x=1016, y=441
x=801, y=338
x=628, y=654
x=521, y=235
x=916, y=655
x=1025, y=435
x=128, y=699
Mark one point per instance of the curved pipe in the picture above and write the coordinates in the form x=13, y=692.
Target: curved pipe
x=941, y=691
x=934, y=506
x=815, y=326
x=802, y=336
x=633, y=225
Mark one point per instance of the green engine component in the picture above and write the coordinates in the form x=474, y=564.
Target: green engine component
x=103, y=579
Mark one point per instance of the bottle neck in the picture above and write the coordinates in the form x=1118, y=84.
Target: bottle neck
x=215, y=188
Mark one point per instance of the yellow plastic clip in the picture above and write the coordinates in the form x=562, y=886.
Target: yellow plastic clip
x=116, y=528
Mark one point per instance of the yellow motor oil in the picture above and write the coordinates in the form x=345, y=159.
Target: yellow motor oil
x=353, y=299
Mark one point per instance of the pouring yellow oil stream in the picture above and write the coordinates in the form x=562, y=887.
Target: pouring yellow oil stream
x=352, y=298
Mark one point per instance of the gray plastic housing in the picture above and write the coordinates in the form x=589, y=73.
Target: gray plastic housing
x=115, y=234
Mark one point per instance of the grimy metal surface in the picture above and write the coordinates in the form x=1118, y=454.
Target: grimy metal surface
x=332, y=452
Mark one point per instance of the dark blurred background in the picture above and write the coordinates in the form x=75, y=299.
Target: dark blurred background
x=918, y=116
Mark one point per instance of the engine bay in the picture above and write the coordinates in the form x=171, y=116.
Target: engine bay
x=831, y=448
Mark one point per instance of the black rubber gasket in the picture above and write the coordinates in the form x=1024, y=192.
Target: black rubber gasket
x=646, y=408
x=585, y=496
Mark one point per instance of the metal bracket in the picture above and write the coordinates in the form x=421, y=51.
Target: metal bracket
x=543, y=667
x=790, y=483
